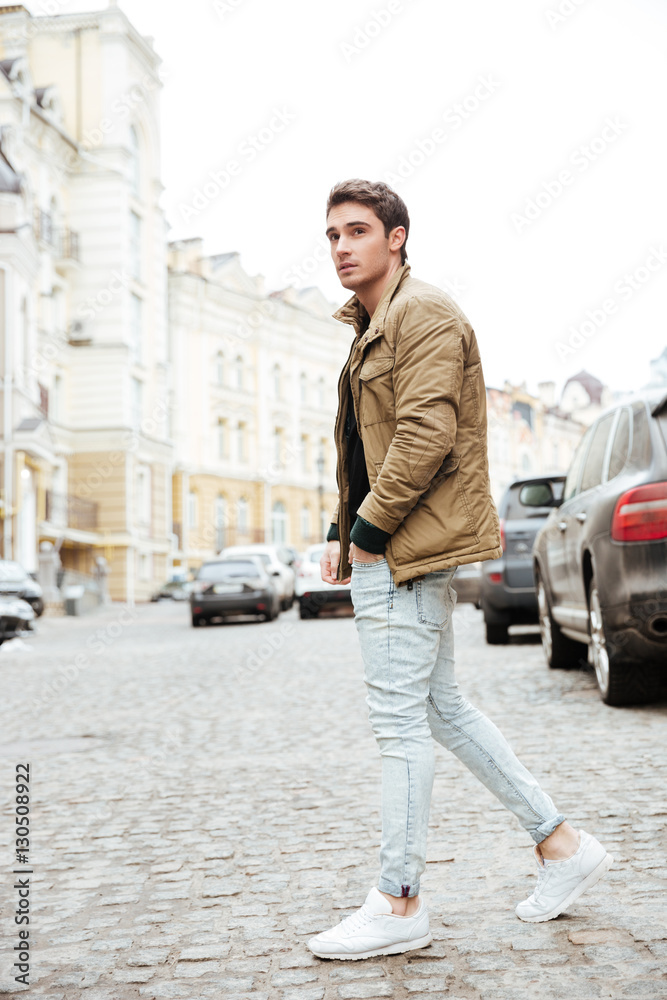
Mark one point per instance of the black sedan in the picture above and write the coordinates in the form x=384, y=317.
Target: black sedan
x=507, y=594
x=600, y=561
x=15, y=581
x=225, y=587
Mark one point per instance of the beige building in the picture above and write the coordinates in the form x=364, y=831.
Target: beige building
x=254, y=398
x=86, y=449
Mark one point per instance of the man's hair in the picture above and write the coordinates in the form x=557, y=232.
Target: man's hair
x=389, y=207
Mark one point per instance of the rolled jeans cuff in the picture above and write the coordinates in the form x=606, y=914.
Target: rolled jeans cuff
x=546, y=829
x=384, y=885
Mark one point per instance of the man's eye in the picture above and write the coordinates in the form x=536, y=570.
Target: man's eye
x=362, y=231
x=332, y=237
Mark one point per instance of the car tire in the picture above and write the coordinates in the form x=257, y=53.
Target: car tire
x=306, y=612
x=496, y=634
x=270, y=615
x=197, y=621
x=620, y=681
x=560, y=652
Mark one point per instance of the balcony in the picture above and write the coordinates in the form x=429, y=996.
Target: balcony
x=66, y=511
x=63, y=242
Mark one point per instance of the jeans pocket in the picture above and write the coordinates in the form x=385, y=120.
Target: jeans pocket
x=434, y=600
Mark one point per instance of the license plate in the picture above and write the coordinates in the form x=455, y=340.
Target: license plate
x=228, y=588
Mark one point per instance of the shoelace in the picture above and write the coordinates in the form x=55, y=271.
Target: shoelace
x=541, y=876
x=357, y=920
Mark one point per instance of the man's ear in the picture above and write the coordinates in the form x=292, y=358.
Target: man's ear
x=397, y=238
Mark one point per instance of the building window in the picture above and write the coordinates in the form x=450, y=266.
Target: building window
x=305, y=523
x=137, y=402
x=220, y=515
x=305, y=453
x=192, y=509
x=143, y=499
x=324, y=524
x=57, y=399
x=303, y=388
x=220, y=367
x=277, y=382
x=278, y=446
x=242, y=511
x=145, y=565
x=279, y=523
x=323, y=457
x=135, y=164
x=321, y=394
x=242, y=443
x=223, y=442
x=135, y=246
x=238, y=366
x=135, y=328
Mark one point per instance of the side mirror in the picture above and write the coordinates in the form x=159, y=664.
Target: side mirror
x=538, y=495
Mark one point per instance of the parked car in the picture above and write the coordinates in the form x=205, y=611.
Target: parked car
x=15, y=581
x=278, y=561
x=16, y=616
x=173, y=590
x=600, y=560
x=312, y=592
x=224, y=587
x=508, y=590
x=467, y=583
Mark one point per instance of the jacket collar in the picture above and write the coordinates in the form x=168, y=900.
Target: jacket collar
x=354, y=313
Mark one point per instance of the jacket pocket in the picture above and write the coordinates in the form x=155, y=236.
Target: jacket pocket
x=374, y=367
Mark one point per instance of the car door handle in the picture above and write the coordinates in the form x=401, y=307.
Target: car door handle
x=562, y=525
x=581, y=516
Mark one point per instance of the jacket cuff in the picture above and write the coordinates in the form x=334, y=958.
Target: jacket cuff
x=369, y=538
x=332, y=533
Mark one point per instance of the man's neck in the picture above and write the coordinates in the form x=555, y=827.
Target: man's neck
x=370, y=297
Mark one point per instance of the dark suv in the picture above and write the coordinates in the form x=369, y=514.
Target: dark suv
x=600, y=561
x=508, y=589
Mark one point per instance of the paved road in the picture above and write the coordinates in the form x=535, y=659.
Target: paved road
x=203, y=801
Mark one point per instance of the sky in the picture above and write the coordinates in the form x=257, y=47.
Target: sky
x=527, y=139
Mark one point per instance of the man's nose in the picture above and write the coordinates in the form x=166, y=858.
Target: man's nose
x=341, y=248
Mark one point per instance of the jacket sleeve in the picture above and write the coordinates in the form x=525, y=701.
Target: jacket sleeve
x=428, y=376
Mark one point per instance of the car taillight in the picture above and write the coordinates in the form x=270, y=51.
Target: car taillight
x=503, y=540
x=640, y=515
x=496, y=577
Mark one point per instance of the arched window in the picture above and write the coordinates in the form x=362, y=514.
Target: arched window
x=135, y=163
x=220, y=368
x=277, y=382
x=321, y=394
x=279, y=523
x=303, y=388
x=238, y=365
x=305, y=523
x=242, y=515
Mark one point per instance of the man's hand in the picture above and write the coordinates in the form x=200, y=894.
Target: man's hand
x=329, y=564
x=361, y=556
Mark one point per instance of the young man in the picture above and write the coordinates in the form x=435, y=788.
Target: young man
x=414, y=502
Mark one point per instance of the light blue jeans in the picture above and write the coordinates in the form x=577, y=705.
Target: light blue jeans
x=407, y=646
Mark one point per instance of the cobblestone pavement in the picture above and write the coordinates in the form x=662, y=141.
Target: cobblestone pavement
x=203, y=801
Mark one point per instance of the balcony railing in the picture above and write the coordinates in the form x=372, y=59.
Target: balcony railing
x=65, y=242
x=66, y=511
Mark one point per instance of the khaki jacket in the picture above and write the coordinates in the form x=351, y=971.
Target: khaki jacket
x=420, y=404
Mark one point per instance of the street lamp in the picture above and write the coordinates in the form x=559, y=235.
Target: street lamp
x=320, y=492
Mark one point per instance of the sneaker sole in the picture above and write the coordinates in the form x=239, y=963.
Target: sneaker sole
x=393, y=949
x=589, y=881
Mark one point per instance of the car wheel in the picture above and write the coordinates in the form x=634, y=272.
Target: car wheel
x=196, y=621
x=270, y=615
x=496, y=635
x=560, y=652
x=306, y=612
x=38, y=608
x=620, y=681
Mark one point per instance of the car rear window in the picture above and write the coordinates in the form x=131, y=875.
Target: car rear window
x=216, y=571
x=515, y=509
x=662, y=424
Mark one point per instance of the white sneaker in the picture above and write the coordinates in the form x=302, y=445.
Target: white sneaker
x=374, y=930
x=559, y=883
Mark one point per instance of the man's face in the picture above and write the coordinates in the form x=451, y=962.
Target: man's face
x=359, y=248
